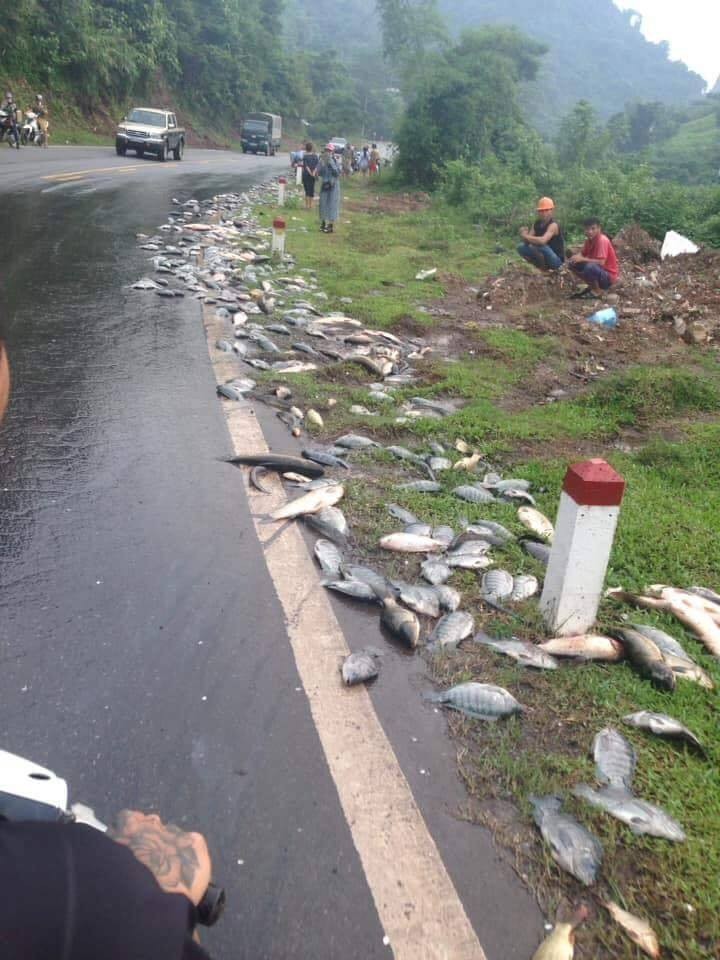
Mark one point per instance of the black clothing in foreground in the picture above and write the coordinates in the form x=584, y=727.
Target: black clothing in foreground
x=557, y=243
x=71, y=893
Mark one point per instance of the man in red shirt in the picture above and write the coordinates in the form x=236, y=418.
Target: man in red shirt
x=596, y=264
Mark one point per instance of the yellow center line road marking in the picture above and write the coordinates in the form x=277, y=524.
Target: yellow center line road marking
x=414, y=895
x=84, y=173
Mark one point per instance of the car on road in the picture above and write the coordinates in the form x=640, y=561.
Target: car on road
x=338, y=144
x=146, y=130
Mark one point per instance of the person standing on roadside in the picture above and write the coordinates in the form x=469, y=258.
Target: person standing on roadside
x=328, y=173
x=544, y=246
x=374, y=159
x=10, y=108
x=309, y=165
x=364, y=162
x=42, y=119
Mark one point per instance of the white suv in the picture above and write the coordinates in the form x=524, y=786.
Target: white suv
x=338, y=143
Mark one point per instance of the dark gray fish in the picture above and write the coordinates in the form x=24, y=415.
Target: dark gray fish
x=482, y=701
x=276, y=461
x=663, y=726
x=484, y=534
x=444, y=409
x=663, y=641
x=257, y=363
x=224, y=345
x=324, y=523
x=450, y=631
x=265, y=343
x=401, y=514
x=540, y=551
x=419, y=598
x=572, y=846
x=523, y=652
x=421, y=486
x=435, y=572
x=255, y=474
x=375, y=580
x=705, y=593
x=354, y=441
x=355, y=589
x=449, y=597
x=419, y=529
x=401, y=622
x=497, y=528
x=640, y=816
x=646, y=657
x=278, y=328
x=327, y=459
x=473, y=494
x=437, y=448
x=359, y=668
x=615, y=759
x=305, y=348
x=328, y=556
x=444, y=534
x=229, y=391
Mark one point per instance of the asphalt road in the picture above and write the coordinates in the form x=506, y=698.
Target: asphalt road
x=143, y=651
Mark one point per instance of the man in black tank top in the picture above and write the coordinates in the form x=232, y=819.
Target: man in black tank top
x=544, y=246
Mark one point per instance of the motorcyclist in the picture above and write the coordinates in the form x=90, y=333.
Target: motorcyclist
x=42, y=118
x=10, y=107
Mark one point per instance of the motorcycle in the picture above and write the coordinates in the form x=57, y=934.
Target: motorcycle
x=5, y=127
x=30, y=131
x=30, y=792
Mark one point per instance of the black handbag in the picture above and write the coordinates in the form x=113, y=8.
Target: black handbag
x=327, y=185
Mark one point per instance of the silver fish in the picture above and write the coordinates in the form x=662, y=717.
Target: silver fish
x=468, y=561
x=478, y=533
x=572, y=846
x=497, y=528
x=421, y=599
x=224, y=345
x=512, y=484
x=497, y=585
x=327, y=459
x=439, y=463
x=540, y=551
x=329, y=522
x=421, y=486
x=401, y=622
x=328, y=556
x=473, y=494
x=359, y=668
x=418, y=528
x=526, y=654
x=444, y=409
x=265, y=343
x=705, y=593
x=437, y=448
x=450, y=631
x=662, y=640
x=435, y=571
x=410, y=543
x=229, y=391
x=483, y=701
x=536, y=523
x=512, y=495
x=401, y=514
x=444, y=534
x=378, y=583
x=524, y=587
x=663, y=726
x=471, y=548
x=355, y=589
x=310, y=502
x=615, y=759
x=354, y=441
x=640, y=816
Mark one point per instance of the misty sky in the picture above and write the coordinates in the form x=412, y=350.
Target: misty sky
x=691, y=27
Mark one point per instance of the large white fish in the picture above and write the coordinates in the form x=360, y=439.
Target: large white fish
x=310, y=502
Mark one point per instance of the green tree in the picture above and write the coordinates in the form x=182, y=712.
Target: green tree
x=581, y=141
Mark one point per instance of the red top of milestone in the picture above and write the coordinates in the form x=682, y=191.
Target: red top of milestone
x=594, y=483
x=279, y=224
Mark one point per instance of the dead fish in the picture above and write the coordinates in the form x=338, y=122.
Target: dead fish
x=410, y=543
x=379, y=368
x=439, y=463
x=512, y=495
x=572, y=846
x=421, y=486
x=482, y=701
x=468, y=561
x=240, y=349
x=224, y=345
x=539, y=551
x=524, y=587
x=421, y=599
x=639, y=930
x=332, y=518
x=255, y=474
x=615, y=759
x=449, y=597
x=435, y=571
x=687, y=670
x=361, y=411
x=444, y=409
x=473, y=494
x=525, y=653
x=467, y=463
x=665, y=643
x=313, y=417
x=444, y=534
x=585, y=647
x=461, y=446
x=355, y=589
x=437, y=448
x=276, y=461
x=359, y=339
x=497, y=528
x=536, y=523
x=327, y=459
x=230, y=391
x=265, y=343
x=328, y=556
x=401, y=514
x=421, y=529
x=301, y=347
x=705, y=593
x=698, y=614
x=663, y=726
x=471, y=548
x=559, y=945
x=310, y=503
x=450, y=631
x=497, y=585
x=354, y=441
x=401, y=622
x=378, y=583
x=640, y=816
x=502, y=485
x=646, y=657
x=359, y=667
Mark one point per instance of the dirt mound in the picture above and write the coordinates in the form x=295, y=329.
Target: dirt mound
x=635, y=245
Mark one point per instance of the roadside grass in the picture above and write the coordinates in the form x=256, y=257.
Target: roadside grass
x=667, y=533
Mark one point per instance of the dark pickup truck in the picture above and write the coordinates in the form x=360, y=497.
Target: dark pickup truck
x=145, y=130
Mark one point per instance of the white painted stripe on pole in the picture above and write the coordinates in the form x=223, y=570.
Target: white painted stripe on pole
x=414, y=895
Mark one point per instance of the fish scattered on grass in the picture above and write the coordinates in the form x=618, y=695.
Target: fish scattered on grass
x=700, y=616
x=473, y=494
x=647, y=659
x=359, y=668
x=329, y=522
x=327, y=459
x=482, y=701
x=444, y=534
x=468, y=561
x=310, y=502
x=435, y=572
x=401, y=622
x=420, y=599
x=536, y=523
x=421, y=486
x=450, y=631
x=355, y=589
x=497, y=585
x=419, y=529
x=639, y=815
x=375, y=580
x=525, y=653
x=354, y=441
x=410, y=543
x=572, y=846
x=662, y=640
x=585, y=647
x=639, y=930
x=615, y=759
x=663, y=726
x=437, y=464
x=524, y=587
x=328, y=556
x=401, y=514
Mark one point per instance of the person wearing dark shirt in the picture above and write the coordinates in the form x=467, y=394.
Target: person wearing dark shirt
x=10, y=108
x=596, y=264
x=544, y=247
x=70, y=892
x=310, y=162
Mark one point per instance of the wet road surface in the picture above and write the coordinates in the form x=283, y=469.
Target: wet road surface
x=144, y=655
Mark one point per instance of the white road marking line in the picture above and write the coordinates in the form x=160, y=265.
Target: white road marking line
x=414, y=895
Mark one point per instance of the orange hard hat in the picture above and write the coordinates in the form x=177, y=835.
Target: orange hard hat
x=546, y=203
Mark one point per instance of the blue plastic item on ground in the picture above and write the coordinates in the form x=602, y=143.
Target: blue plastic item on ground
x=605, y=318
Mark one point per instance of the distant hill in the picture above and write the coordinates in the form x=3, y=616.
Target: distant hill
x=692, y=154
x=596, y=53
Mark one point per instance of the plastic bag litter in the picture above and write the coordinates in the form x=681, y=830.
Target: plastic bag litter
x=675, y=244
